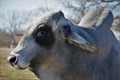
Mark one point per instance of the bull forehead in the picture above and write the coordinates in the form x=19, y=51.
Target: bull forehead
x=49, y=19
x=39, y=22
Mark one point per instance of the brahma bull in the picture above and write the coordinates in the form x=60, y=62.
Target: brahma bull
x=56, y=49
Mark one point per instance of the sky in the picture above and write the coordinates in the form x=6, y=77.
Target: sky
x=26, y=5
x=6, y=5
x=9, y=5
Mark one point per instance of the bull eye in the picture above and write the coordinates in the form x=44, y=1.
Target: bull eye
x=43, y=36
x=41, y=33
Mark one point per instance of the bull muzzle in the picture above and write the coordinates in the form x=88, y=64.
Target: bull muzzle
x=12, y=59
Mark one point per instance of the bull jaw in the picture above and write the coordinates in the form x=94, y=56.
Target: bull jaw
x=45, y=74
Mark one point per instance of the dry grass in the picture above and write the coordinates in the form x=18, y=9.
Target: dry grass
x=9, y=73
x=5, y=40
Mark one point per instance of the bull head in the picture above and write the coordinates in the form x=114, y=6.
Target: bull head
x=35, y=40
x=38, y=41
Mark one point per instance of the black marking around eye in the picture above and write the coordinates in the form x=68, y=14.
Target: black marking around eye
x=44, y=36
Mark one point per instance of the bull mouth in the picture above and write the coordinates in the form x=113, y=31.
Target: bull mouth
x=17, y=66
x=21, y=68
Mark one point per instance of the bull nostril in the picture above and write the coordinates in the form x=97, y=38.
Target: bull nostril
x=12, y=59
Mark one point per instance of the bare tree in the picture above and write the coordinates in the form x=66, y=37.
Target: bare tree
x=12, y=22
x=111, y=1
x=78, y=8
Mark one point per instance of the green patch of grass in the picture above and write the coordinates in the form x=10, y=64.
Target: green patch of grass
x=9, y=73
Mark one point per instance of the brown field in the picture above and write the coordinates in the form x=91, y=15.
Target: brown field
x=9, y=73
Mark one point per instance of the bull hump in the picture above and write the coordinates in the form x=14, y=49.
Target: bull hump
x=99, y=18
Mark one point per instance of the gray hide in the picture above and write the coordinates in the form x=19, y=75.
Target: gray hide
x=89, y=51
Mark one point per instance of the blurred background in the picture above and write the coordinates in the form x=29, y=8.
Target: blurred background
x=16, y=16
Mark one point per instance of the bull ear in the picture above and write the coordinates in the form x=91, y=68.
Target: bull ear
x=80, y=42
